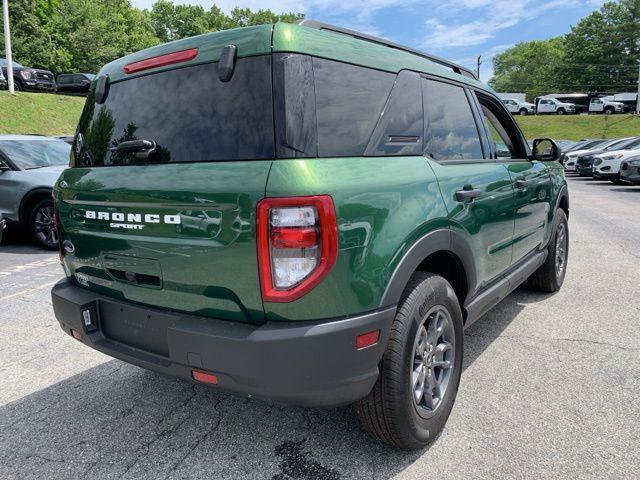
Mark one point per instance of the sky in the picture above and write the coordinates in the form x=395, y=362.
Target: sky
x=458, y=30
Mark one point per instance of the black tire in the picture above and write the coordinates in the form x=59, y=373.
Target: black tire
x=561, y=111
x=41, y=225
x=609, y=111
x=17, y=86
x=548, y=278
x=390, y=413
x=523, y=112
x=616, y=180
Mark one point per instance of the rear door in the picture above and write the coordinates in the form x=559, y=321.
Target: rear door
x=530, y=178
x=173, y=226
x=477, y=190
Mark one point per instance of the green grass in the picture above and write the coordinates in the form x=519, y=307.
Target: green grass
x=40, y=113
x=48, y=114
x=577, y=127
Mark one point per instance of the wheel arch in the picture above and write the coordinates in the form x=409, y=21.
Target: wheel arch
x=562, y=201
x=30, y=199
x=443, y=252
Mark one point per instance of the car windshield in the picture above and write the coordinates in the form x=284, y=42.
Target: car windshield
x=29, y=154
x=618, y=145
x=3, y=63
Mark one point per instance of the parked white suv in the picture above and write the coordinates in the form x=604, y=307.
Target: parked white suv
x=599, y=105
x=606, y=166
x=521, y=108
x=551, y=105
x=571, y=156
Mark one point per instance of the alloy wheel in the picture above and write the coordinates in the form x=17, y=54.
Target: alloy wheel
x=561, y=250
x=432, y=361
x=44, y=227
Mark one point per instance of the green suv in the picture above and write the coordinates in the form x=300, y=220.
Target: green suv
x=305, y=214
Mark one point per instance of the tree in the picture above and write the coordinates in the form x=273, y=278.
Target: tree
x=530, y=67
x=172, y=22
x=602, y=50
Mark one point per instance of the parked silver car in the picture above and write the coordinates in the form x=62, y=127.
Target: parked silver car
x=29, y=167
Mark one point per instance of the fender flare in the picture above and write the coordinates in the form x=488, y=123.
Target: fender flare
x=435, y=241
x=563, y=193
x=23, y=214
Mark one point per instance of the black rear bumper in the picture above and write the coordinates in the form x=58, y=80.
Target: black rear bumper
x=302, y=363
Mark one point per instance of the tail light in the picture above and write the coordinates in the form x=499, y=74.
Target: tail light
x=161, y=60
x=297, y=245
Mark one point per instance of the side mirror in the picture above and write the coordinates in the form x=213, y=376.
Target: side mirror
x=4, y=167
x=545, y=150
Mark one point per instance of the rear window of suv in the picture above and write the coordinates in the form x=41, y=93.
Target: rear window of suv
x=189, y=112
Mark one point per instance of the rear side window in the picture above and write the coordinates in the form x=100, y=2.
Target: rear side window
x=349, y=100
x=451, y=131
x=190, y=114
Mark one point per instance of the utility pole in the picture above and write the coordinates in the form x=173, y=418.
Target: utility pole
x=478, y=63
x=7, y=45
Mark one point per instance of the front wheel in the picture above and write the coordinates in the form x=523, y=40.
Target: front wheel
x=42, y=225
x=550, y=276
x=609, y=111
x=420, y=369
x=561, y=111
x=523, y=112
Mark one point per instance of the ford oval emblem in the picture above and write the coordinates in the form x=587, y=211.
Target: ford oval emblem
x=68, y=246
x=63, y=184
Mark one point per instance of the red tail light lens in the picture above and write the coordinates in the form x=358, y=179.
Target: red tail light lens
x=161, y=60
x=297, y=245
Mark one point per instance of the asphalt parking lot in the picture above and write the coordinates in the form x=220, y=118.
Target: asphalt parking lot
x=550, y=389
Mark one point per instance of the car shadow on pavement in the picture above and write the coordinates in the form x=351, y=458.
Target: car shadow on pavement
x=19, y=240
x=119, y=421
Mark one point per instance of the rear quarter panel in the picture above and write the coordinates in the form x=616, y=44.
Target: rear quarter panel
x=383, y=205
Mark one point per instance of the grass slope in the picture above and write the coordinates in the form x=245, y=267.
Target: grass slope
x=577, y=127
x=40, y=113
x=48, y=114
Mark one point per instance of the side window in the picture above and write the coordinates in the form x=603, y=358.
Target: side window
x=400, y=128
x=503, y=133
x=451, y=131
x=64, y=79
x=348, y=103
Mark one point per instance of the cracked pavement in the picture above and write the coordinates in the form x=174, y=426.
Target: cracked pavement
x=550, y=389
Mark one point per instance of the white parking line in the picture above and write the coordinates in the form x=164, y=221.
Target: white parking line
x=29, y=290
x=27, y=266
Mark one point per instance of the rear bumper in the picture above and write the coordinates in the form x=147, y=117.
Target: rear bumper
x=303, y=363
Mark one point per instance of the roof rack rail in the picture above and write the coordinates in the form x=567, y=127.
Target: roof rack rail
x=387, y=43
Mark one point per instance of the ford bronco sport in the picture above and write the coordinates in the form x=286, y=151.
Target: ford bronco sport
x=302, y=213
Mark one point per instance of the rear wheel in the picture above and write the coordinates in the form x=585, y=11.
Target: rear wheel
x=550, y=276
x=420, y=369
x=42, y=226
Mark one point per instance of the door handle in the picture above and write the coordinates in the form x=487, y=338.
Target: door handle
x=462, y=195
x=520, y=183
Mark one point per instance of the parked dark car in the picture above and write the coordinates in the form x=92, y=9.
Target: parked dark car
x=74, y=82
x=630, y=171
x=30, y=79
x=3, y=81
x=584, y=163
